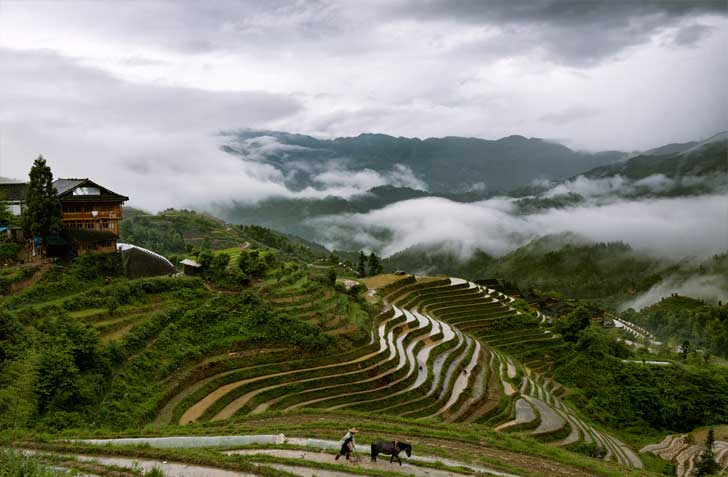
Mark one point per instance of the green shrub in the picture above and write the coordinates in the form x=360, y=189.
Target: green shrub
x=15, y=464
x=9, y=251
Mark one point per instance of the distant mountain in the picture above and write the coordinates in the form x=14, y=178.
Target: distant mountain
x=696, y=159
x=444, y=165
x=453, y=167
x=673, y=148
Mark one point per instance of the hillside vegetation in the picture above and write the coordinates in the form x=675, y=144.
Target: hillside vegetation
x=678, y=319
x=607, y=274
x=175, y=232
x=71, y=345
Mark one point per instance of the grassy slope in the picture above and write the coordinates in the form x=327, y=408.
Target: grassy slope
x=171, y=231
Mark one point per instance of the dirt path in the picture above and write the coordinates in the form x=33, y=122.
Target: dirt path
x=362, y=463
x=484, y=449
x=23, y=284
x=170, y=469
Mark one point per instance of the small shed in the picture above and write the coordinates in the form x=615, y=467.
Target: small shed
x=191, y=266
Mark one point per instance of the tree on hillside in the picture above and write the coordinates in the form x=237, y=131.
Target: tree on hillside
x=218, y=263
x=333, y=259
x=707, y=464
x=685, y=349
x=6, y=218
x=361, y=270
x=575, y=322
x=42, y=215
x=375, y=266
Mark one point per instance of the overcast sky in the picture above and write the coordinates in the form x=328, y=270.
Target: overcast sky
x=134, y=92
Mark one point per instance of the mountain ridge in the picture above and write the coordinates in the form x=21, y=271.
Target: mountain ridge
x=496, y=165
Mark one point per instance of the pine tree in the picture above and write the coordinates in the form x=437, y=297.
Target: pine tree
x=6, y=217
x=333, y=259
x=362, y=268
x=42, y=215
x=685, y=349
x=375, y=266
x=707, y=464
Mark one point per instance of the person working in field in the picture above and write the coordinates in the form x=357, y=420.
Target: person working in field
x=347, y=444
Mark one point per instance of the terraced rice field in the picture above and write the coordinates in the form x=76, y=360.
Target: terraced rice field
x=117, y=325
x=444, y=349
x=684, y=455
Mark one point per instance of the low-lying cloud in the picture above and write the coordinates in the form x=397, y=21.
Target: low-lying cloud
x=711, y=288
x=619, y=186
x=342, y=182
x=676, y=227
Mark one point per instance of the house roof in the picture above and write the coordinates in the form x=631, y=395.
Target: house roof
x=65, y=189
x=190, y=262
x=66, y=185
x=12, y=191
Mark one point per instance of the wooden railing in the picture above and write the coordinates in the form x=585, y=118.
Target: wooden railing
x=90, y=216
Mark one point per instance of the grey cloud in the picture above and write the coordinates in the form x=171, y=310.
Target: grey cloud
x=141, y=61
x=568, y=115
x=35, y=81
x=691, y=35
x=158, y=141
x=560, y=12
x=199, y=27
x=574, y=32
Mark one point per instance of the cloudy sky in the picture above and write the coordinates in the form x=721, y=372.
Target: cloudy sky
x=133, y=93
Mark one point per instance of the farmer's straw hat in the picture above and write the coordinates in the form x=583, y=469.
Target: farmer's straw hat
x=353, y=430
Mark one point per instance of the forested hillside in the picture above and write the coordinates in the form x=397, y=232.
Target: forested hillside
x=679, y=319
x=605, y=273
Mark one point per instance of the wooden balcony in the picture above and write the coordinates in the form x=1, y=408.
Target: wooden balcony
x=113, y=215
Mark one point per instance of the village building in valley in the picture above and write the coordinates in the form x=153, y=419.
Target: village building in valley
x=91, y=215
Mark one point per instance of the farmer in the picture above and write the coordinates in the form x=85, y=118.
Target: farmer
x=347, y=443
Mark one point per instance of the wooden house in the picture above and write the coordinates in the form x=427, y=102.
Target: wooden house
x=12, y=195
x=91, y=215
